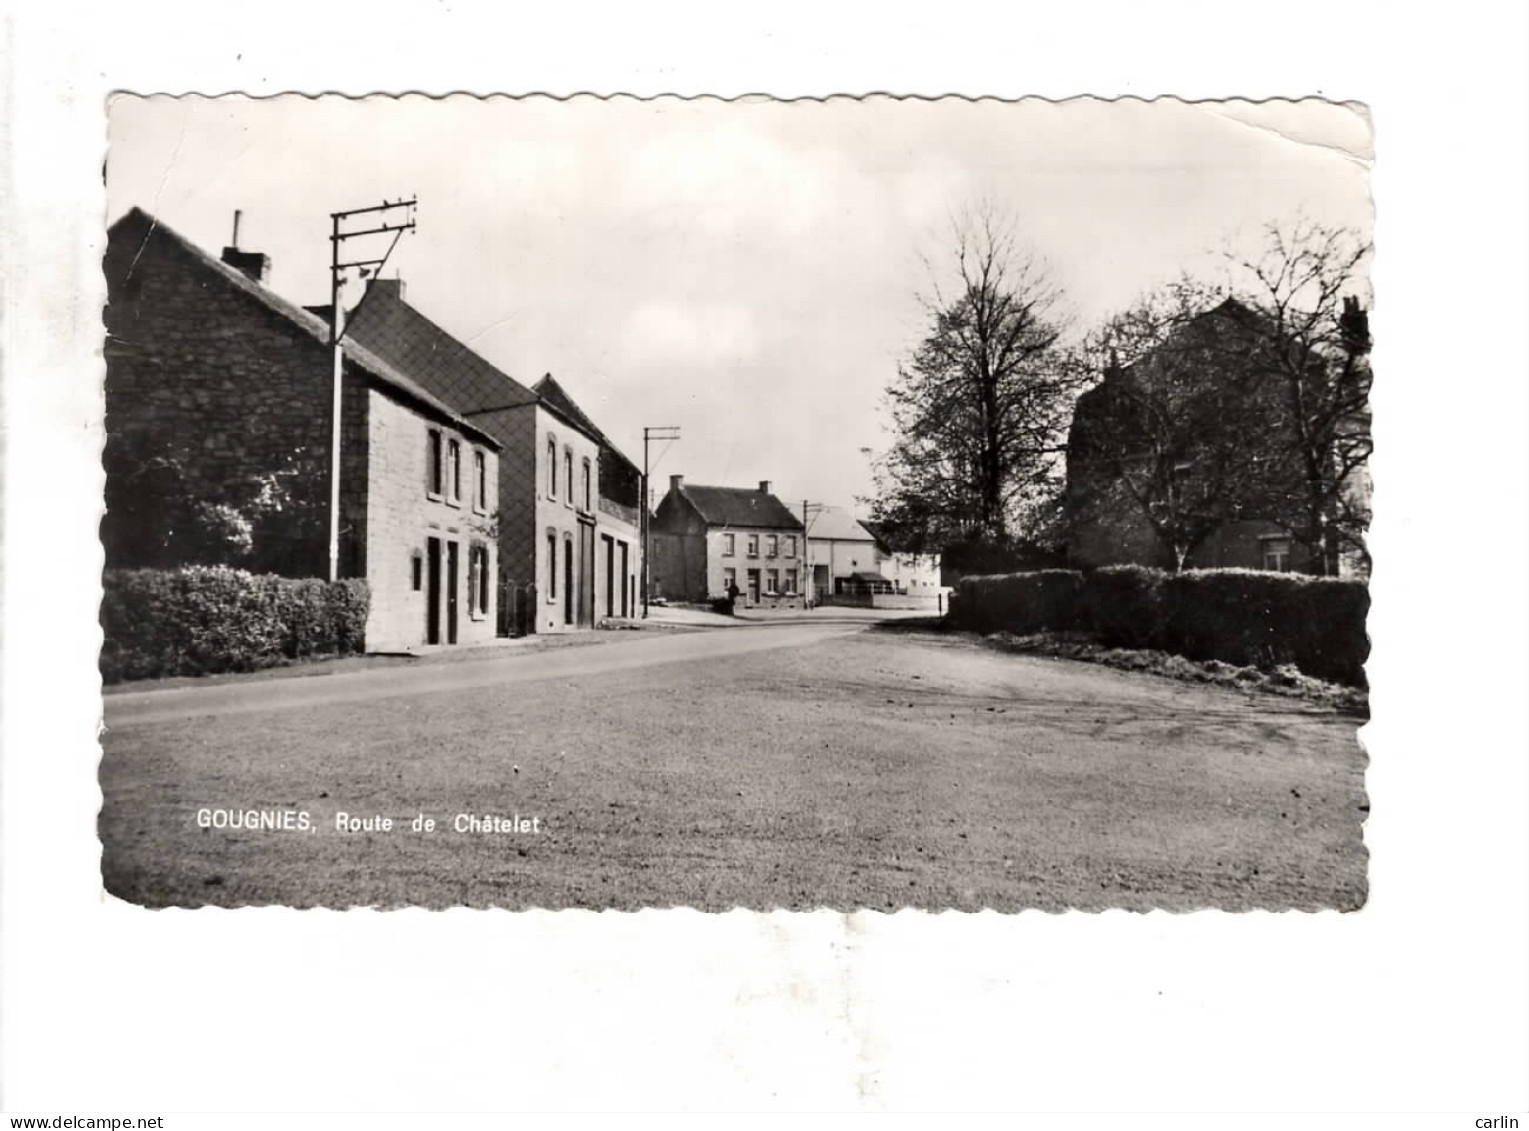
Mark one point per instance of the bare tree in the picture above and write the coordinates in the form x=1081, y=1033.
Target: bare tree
x=980, y=406
x=1305, y=286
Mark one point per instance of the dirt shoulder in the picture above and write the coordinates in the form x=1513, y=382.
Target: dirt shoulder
x=1284, y=681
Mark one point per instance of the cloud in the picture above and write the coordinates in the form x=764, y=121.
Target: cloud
x=691, y=336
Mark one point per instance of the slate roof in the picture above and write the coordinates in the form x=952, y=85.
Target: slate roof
x=136, y=223
x=740, y=506
x=890, y=543
x=838, y=525
x=556, y=397
x=390, y=327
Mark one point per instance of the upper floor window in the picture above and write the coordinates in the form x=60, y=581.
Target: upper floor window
x=729, y=545
x=551, y=469
x=584, y=487
x=753, y=545
x=568, y=476
x=480, y=481
x=434, y=471
x=790, y=545
x=454, y=470
x=772, y=546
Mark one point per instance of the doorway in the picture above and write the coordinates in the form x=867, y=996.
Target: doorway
x=568, y=582
x=432, y=591
x=626, y=609
x=610, y=575
x=451, y=592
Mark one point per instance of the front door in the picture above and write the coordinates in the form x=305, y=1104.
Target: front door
x=625, y=608
x=610, y=575
x=567, y=582
x=451, y=592
x=753, y=587
x=586, y=574
x=433, y=591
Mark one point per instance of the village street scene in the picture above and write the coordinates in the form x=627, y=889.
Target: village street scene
x=528, y=503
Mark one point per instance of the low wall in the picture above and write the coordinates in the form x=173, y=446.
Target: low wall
x=932, y=602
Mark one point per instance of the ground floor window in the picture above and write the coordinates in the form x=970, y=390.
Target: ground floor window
x=790, y=581
x=477, y=581
x=772, y=581
x=729, y=578
x=551, y=566
x=1276, y=554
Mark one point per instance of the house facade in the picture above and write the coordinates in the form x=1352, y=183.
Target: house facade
x=617, y=547
x=1175, y=463
x=911, y=572
x=708, y=539
x=564, y=558
x=218, y=420
x=843, y=555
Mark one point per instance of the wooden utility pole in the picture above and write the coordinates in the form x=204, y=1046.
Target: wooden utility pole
x=809, y=585
x=337, y=334
x=661, y=432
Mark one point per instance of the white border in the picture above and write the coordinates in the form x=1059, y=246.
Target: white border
x=1415, y=1004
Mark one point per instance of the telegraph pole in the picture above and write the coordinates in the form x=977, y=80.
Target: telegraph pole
x=809, y=583
x=337, y=333
x=661, y=432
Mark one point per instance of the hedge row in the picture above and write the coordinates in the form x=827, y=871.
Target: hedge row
x=205, y=619
x=1238, y=616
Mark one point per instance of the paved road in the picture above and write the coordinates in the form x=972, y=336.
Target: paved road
x=129, y=708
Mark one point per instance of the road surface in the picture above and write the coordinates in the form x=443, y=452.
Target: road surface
x=794, y=766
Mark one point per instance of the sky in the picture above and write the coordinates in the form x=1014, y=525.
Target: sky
x=748, y=271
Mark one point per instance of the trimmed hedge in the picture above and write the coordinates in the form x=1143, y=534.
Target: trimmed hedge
x=1244, y=617
x=205, y=619
x=1019, y=602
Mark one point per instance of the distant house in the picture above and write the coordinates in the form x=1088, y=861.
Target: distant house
x=912, y=572
x=218, y=403
x=569, y=554
x=843, y=555
x=706, y=539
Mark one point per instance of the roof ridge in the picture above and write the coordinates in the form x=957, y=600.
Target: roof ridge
x=316, y=328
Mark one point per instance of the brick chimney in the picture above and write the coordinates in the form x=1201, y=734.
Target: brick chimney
x=251, y=263
x=764, y=486
x=387, y=288
x=676, y=482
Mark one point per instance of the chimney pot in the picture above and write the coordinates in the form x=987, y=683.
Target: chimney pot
x=764, y=485
x=676, y=482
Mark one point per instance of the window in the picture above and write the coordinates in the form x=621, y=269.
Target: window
x=772, y=546
x=416, y=570
x=454, y=471
x=480, y=482
x=772, y=581
x=568, y=476
x=1277, y=554
x=791, y=545
x=790, y=581
x=729, y=578
x=551, y=566
x=551, y=468
x=584, y=487
x=753, y=545
x=433, y=470
x=477, y=583
x=728, y=546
